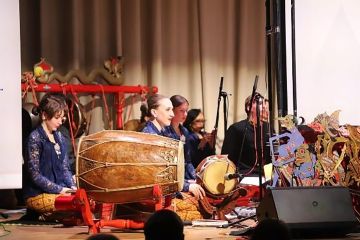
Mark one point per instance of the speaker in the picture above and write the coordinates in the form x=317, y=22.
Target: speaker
x=310, y=210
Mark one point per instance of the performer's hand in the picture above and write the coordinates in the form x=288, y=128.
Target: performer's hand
x=73, y=188
x=64, y=191
x=197, y=191
x=207, y=138
x=212, y=139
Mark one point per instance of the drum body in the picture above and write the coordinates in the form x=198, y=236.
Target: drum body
x=117, y=166
x=211, y=175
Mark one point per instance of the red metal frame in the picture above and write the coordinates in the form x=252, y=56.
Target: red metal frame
x=79, y=202
x=119, y=92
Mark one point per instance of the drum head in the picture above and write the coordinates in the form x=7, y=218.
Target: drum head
x=212, y=173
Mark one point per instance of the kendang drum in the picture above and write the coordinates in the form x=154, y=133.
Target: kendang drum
x=211, y=174
x=117, y=166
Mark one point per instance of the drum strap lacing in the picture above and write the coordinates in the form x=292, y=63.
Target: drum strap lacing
x=107, y=164
x=101, y=189
x=109, y=140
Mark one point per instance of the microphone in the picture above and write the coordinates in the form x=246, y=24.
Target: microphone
x=230, y=176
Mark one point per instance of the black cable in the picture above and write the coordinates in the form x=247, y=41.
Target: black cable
x=238, y=221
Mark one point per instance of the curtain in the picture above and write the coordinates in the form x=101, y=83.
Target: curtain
x=181, y=46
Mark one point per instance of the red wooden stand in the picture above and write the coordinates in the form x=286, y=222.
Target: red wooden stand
x=79, y=202
x=119, y=92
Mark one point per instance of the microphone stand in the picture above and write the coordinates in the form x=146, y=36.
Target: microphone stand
x=258, y=145
x=222, y=94
x=252, y=99
x=247, y=119
x=217, y=115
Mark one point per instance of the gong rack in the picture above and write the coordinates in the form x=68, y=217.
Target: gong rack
x=119, y=92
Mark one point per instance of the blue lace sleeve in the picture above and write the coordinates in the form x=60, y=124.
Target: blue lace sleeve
x=68, y=180
x=34, y=151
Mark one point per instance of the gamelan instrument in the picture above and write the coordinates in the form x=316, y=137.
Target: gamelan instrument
x=211, y=174
x=222, y=192
x=115, y=166
x=78, y=119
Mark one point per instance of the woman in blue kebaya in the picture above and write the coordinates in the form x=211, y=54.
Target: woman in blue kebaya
x=167, y=121
x=159, y=113
x=200, y=143
x=177, y=131
x=46, y=162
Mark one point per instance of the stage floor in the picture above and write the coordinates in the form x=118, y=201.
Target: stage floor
x=57, y=231
x=32, y=231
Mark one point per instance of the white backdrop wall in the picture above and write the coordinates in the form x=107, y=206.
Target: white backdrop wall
x=10, y=96
x=327, y=58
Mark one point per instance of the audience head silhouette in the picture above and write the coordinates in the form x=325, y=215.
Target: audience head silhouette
x=163, y=225
x=271, y=229
x=102, y=236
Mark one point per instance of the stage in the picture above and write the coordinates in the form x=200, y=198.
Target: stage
x=57, y=231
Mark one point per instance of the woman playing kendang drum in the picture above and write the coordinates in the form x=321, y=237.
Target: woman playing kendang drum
x=46, y=162
x=200, y=143
x=159, y=113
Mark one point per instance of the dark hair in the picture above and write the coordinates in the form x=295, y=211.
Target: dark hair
x=144, y=112
x=151, y=103
x=248, y=103
x=191, y=116
x=163, y=225
x=102, y=236
x=51, y=104
x=177, y=100
x=271, y=229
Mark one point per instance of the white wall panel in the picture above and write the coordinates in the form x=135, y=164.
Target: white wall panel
x=10, y=96
x=327, y=58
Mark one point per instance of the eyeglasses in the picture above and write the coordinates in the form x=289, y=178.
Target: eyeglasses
x=200, y=121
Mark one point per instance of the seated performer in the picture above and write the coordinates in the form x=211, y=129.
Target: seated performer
x=159, y=113
x=239, y=142
x=199, y=142
x=177, y=131
x=186, y=205
x=46, y=161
